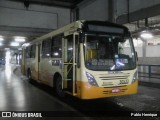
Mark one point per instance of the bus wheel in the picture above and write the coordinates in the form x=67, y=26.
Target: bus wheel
x=58, y=88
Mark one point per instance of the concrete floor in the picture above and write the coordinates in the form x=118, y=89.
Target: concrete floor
x=17, y=94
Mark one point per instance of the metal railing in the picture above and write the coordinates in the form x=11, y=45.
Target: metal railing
x=146, y=70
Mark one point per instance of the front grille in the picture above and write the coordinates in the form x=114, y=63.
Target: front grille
x=118, y=77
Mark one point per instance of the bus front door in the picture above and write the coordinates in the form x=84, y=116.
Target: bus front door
x=69, y=67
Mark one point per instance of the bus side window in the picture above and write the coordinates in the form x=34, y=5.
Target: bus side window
x=46, y=48
x=91, y=50
x=33, y=51
x=28, y=52
x=56, y=49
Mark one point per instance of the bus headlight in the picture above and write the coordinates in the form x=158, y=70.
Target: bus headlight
x=91, y=79
x=135, y=76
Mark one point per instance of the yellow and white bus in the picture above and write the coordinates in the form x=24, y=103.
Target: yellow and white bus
x=86, y=59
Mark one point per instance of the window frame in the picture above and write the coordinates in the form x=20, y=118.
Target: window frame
x=46, y=48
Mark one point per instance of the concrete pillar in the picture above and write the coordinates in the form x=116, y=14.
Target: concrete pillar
x=144, y=53
x=111, y=10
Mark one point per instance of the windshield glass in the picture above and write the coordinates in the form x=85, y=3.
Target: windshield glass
x=109, y=52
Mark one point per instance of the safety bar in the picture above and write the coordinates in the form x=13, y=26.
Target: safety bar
x=150, y=73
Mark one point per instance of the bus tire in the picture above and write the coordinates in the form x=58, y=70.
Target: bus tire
x=58, y=87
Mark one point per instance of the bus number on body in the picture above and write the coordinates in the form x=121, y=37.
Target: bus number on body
x=124, y=81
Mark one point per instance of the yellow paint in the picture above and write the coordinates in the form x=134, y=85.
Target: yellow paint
x=34, y=75
x=86, y=91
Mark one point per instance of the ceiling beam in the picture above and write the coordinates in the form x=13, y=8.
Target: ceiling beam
x=140, y=14
x=48, y=3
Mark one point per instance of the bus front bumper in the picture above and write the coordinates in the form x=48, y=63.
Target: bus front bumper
x=87, y=91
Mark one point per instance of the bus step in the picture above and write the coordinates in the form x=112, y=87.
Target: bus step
x=74, y=94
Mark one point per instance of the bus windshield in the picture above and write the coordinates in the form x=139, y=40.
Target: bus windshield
x=109, y=52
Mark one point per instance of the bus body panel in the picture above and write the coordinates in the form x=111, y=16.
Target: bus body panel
x=47, y=70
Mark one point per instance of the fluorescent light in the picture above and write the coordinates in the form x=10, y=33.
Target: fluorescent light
x=146, y=35
x=1, y=44
x=26, y=44
x=7, y=49
x=14, y=44
x=56, y=53
x=1, y=39
x=20, y=39
x=19, y=48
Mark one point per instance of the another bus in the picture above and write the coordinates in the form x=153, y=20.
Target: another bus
x=86, y=59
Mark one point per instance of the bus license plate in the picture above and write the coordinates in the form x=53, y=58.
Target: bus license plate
x=116, y=90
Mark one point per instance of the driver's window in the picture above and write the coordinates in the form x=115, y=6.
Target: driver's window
x=125, y=48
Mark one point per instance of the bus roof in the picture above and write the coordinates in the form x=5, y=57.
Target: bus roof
x=74, y=26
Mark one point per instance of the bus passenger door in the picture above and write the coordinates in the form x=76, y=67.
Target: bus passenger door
x=69, y=67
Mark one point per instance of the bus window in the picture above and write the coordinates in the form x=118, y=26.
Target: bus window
x=56, y=47
x=46, y=48
x=28, y=52
x=109, y=53
x=33, y=51
x=70, y=48
x=124, y=48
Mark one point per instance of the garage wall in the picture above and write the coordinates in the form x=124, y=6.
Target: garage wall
x=37, y=16
x=152, y=56
x=152, y=51
x=139, y=51
x=23, y=18
x=94, y=10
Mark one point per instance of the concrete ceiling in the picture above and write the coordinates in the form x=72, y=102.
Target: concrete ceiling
x=9, y=33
